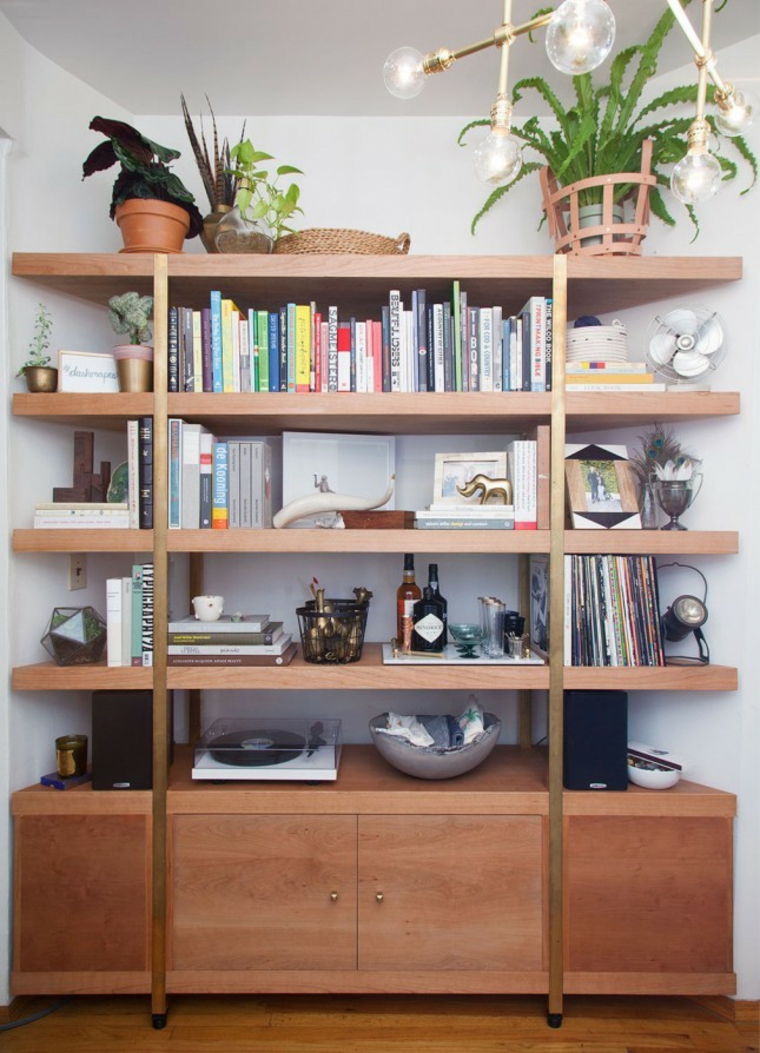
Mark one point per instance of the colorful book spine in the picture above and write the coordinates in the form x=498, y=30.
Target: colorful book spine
x=303, y=347
x=219, y=493
x=207, y=382
x=206, y=479
x=274, y=350
x=175, y=474
x=332, y=349
x=133, y=473
x=197, y=352
x=172, y=379
x=217, y=372
x=344, y=356
x=228, y=354
x=456, y=305
x=262, y=342
x=394, y=308
x=136, y=619
x=147, y=615
x=291, y=347
x=113, y=622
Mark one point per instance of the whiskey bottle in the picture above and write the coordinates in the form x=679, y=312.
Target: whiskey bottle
x=434, y=585
x=427, y=623
x=407, y=595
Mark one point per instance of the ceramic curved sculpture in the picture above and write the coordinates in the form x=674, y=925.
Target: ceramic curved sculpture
x=316, y=504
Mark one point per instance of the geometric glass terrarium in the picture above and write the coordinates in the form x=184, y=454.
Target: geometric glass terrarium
x=75, y=635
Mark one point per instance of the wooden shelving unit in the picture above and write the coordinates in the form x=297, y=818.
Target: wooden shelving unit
x=508, y=824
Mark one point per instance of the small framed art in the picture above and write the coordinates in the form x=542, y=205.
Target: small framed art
x=87, y=371
x=600, y=490
x=458, y=469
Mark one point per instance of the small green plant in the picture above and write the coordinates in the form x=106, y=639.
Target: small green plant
x=129, y=313
x=259, y=196
x=40, y=342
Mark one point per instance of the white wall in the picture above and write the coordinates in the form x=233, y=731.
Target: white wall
x=386, y=176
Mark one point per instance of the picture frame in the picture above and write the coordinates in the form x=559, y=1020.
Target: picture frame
x=87, y=371
x=314, y=462
x=539, y=604
x=456, y=469
x=601, y=494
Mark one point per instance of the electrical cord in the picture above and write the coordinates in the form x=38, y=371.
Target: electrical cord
x=35, y=1016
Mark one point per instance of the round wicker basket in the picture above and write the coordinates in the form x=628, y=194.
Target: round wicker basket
x=326, y=240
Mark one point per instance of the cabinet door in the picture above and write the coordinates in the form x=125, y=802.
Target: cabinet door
x=648, y=894
x=258, y=892
x=82, y=894
x=451, y=892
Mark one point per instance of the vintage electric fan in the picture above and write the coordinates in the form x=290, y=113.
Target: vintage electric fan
x=685, y=344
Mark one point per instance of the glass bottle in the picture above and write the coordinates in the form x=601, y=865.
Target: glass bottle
x=435, y=586
x=427, y=623
x=648, y=506
x=407, y=595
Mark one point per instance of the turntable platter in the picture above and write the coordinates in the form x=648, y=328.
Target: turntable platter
x=257, y=747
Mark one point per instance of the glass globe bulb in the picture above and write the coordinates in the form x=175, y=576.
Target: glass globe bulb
x=580, y=36
x=695, y=178
x=498, y=158
x=403, y=73
x=739, y=115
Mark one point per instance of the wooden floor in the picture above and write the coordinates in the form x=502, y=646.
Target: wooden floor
x=380, y=1024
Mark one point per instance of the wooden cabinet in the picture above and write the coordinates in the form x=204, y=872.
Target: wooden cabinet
x=475, y=885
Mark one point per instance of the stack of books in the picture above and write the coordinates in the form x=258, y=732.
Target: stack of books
x=129, y=618
x=73, y=515
x=610, y=376
x=246, y=640
x=466, y=517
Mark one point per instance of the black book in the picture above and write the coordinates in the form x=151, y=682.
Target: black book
x=173, y=370
x=145, y=471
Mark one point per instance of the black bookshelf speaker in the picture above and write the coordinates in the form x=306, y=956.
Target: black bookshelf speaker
x=122, y=740
x=596, y=740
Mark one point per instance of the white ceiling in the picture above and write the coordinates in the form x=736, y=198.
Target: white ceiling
x=296, y=57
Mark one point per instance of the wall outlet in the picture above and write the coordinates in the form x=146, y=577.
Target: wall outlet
x=77, y=572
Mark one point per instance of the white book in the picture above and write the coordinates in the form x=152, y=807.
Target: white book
x=485, y=337
x=246, y=520
x=251, y=623
x=81, y=506
x=174, y=496
x=394, y=331
x=120, y=521
x=233, y=483
x=521, y=460
x=133, y=473
x=361, y=356
x=276, y=648
x=332, y=348
x=114, y=643
x=191, y=476
x=126, y=621
x=463, y=511
x=197, y=353
x=601, y=386
x=498, y=348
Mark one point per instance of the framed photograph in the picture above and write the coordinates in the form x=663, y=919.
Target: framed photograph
x=323, y=462
x=539, y=604
x=87, y=371
x=600, y=489
x=458, y=469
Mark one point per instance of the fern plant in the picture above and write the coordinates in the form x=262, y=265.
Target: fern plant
x=603, y=132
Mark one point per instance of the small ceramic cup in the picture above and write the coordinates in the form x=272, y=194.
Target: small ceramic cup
x=208, y=608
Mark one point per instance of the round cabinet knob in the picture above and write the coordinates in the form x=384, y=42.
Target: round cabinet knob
x=333, y=896
x=379, y=897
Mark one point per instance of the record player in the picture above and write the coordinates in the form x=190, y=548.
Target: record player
x=269, y=749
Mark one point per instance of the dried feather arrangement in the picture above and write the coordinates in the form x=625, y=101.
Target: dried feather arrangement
x=219, y=182
x=661, y=453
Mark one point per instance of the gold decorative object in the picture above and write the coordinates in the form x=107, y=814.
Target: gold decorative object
x=332, y=631
x=499, y=488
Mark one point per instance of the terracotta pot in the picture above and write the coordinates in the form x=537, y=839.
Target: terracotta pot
x=41, y=378
x=148, y=225
x=134, y=365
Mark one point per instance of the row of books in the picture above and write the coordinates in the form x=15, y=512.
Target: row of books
x=522, y=514
x=243, y=640
x=414, y=346
x=220, y=484
x=129, y=618
x=612, y=611
x=610, y=376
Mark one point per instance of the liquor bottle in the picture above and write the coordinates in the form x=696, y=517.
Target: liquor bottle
x=427, y=623
x=434, y=585
x=407, y=595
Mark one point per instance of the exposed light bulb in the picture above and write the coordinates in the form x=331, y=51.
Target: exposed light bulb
x=580, y=35
x=498, y=158
x=403, y=73
x=737, y=113
x=696, y=178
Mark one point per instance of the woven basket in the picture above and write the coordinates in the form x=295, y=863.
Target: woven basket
x=328, y=241
x=607, y=238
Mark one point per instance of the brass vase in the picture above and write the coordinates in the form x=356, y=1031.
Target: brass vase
x=41, y=378
x=210, y=224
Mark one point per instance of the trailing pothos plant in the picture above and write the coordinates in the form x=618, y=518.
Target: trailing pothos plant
x=603, y=132
x=259, y=195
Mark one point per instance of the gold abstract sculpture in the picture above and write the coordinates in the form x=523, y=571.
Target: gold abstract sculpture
x=488, y=487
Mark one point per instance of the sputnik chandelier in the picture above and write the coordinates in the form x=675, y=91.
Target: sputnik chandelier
x=579, y=37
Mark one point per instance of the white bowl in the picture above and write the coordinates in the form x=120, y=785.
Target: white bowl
x=653, y=779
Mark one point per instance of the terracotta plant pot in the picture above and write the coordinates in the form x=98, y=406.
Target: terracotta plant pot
x=41, y=378
x=148, y=225
x=134, y=365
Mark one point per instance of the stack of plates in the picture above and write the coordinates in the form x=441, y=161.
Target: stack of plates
x=597, y=343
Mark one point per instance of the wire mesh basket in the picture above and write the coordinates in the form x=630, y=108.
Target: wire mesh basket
x=334, y=634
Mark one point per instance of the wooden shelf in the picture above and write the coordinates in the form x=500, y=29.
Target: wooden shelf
x=47, y=676
x=653, y=542
x=107, y=411
x=369, y=674
x=384, y=413
x=684, y=799
x=80, y=540
x=343, y=541
x=592, y=409
x=658, y=678
x=92, y=276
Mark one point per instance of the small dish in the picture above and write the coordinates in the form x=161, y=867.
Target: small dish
x=653, y=778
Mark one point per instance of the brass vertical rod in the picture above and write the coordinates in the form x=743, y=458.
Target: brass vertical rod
x=524, y=698
x=197, y=588
x=504, y=56
x=160, y=617
x=556, y=647
x=702, y=65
